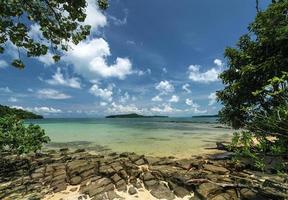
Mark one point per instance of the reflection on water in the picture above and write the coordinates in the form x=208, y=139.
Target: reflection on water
x=180, y=137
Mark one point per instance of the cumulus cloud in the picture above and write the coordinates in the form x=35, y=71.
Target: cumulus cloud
x=40, y=110
x=218, y=62
x=12, y=99
x=212, y=98
x=186, y=88
x=59, y=79
x=89, y=59
x=190, y=102
x=164, y=87
x=105, y=94
x=165, y=108
x=5, y=90
x=52, y=94
x=3, y=64
x=174, y=99
x=118, y=108
x=157, y=99
x=208, y=76
x=125, y=98
x=95, y=17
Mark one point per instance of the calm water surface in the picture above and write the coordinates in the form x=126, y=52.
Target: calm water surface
x=179, y=137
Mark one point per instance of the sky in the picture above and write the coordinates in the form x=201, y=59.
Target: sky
x=148, y=57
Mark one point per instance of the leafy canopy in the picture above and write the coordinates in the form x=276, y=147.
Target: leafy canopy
x=15, y=137
x=257, y=74
x=60, y=22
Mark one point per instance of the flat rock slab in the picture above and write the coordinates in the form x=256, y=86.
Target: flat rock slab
x=206, y=189
x=216, y=169
x=162, y=192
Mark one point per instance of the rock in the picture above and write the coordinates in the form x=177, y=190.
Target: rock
x=123, y=174
x=101, y=196
x=134, y=157
x=247, y=194
x=37, y=175
x=116, y=178
x=79, y=150
x=121, y=185
x=60, y=187
x=152, y=160
x=205, y=189
x=74, y=189
x=162, y=192
x=150, y=184
x=148, y=176
x=216, y=169
x=113, y=195
x=140, y=162
x=75, y=180
x=132, y=191
x=106, y=170
x=179, y=191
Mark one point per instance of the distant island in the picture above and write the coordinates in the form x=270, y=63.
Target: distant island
x=22, y=114
x=199, y=116
x=134, y=115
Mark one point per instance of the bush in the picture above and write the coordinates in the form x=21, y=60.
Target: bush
x=17, y=138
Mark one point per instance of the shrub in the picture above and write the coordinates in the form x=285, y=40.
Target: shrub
x=17, y=138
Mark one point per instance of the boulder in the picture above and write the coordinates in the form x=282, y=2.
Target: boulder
x=162, y=192
x=206, y=189
x=75, y=180
x=132, y=191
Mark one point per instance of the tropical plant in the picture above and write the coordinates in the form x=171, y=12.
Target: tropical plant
x=15, y=137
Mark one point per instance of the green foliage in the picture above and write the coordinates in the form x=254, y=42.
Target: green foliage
x=256, y=78
x=255, y=96
x=57, y=28
x=22, y=114
x=17, y=138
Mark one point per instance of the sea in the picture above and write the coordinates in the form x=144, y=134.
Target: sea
x=178, y=137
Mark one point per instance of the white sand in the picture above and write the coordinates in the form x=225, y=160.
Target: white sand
x=143, y=194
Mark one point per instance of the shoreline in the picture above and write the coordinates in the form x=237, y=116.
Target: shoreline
x=128, y=175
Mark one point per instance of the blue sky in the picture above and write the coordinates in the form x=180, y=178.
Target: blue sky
x=149, y=57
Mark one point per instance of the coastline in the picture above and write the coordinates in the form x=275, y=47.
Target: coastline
x=81, y=175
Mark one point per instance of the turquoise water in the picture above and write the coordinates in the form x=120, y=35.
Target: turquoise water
x=179, y=137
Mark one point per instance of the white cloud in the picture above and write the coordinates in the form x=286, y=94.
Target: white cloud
x=165, y=87
x=210, y=75
x=212, y=98
x=157, y=99
x=46, y=59
x=164, y=70
x=105, y=94
x=190, y=102
x=186, y=88
x=164, y=109
x=12, y=99
x=45, y=110
x=40, y=110
x=51, y=94
x=174, y=99
x=58, y=79
x=125, y=98
x=103, y=103
x=218, y=62
x=95, y=17
x=3, y=64
x=89, y=60
x=118, y=108
x=5, y=89
x=142, y=73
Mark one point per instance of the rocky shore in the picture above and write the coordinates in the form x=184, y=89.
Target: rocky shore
x=100, y=177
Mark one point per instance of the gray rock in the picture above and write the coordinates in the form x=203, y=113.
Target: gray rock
x=75, y=180
x=206, y=189
x=116, y=178
x=216, y=169
x=132, y=191
x=162, y=192
x=113, y=195
x=150, y=184
x=121, y=185
x=140, y=162
x=148, y=176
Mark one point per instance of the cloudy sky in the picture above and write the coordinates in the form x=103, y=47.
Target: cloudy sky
x=148, y=57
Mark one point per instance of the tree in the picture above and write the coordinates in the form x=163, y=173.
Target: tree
x=255, y=96
x=60, y=22
x=257, y=74
x=15, y=137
